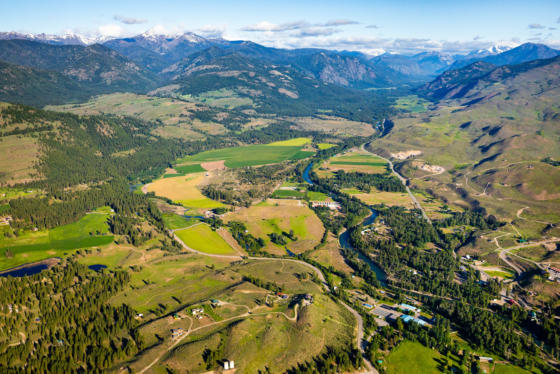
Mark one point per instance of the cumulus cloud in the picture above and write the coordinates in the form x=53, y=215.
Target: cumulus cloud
x=129, y=20
x=536, y=26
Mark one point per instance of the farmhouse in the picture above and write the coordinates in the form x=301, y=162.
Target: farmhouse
x=197, y=311
x=175, y=333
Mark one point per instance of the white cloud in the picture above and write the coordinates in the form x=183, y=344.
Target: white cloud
x=111, y=30
x=266, y=26
x=212, y=31
x=339, y=22
x=129, y=20
x=316, y=31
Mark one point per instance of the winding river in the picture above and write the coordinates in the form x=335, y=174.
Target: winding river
x=344, y=238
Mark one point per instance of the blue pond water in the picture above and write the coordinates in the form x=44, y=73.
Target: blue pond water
x=97, y=267
x=22, y=272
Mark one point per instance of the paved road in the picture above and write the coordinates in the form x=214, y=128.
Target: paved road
x=403, y=181
x=504, y=252
x=360, y=333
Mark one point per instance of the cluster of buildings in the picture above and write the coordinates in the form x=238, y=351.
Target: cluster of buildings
x=407, y=319
x=553, y=273
x=176, y=333
x=327, y=204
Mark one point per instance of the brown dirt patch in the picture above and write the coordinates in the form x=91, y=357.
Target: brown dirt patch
x=214, y=165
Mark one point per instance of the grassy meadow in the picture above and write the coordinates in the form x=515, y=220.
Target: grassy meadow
x=202, y=238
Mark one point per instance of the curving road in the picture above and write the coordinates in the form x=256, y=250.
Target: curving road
x=403, y=181
x=360, y=333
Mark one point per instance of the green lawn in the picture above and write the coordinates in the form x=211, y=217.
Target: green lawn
x=411, y=357
x=497, y=273
x=251, y=155
x=202, y=238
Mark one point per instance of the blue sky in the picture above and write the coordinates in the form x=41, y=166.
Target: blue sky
x=370, y=26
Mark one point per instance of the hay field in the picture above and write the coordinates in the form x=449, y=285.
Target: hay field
x=357, y=161
x=183, y=190
x=251, y=155
x=275, y=216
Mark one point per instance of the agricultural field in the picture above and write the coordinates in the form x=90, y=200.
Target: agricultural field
x=175, y=221
x=252, y=155
x=323, y=146
x=356, y=161
x=183, y=190
x=290, y=190
x=277, y=216
x=202, y=238
x=90, y=231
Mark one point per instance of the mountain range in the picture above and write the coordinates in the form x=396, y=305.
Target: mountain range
x=189, y=62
